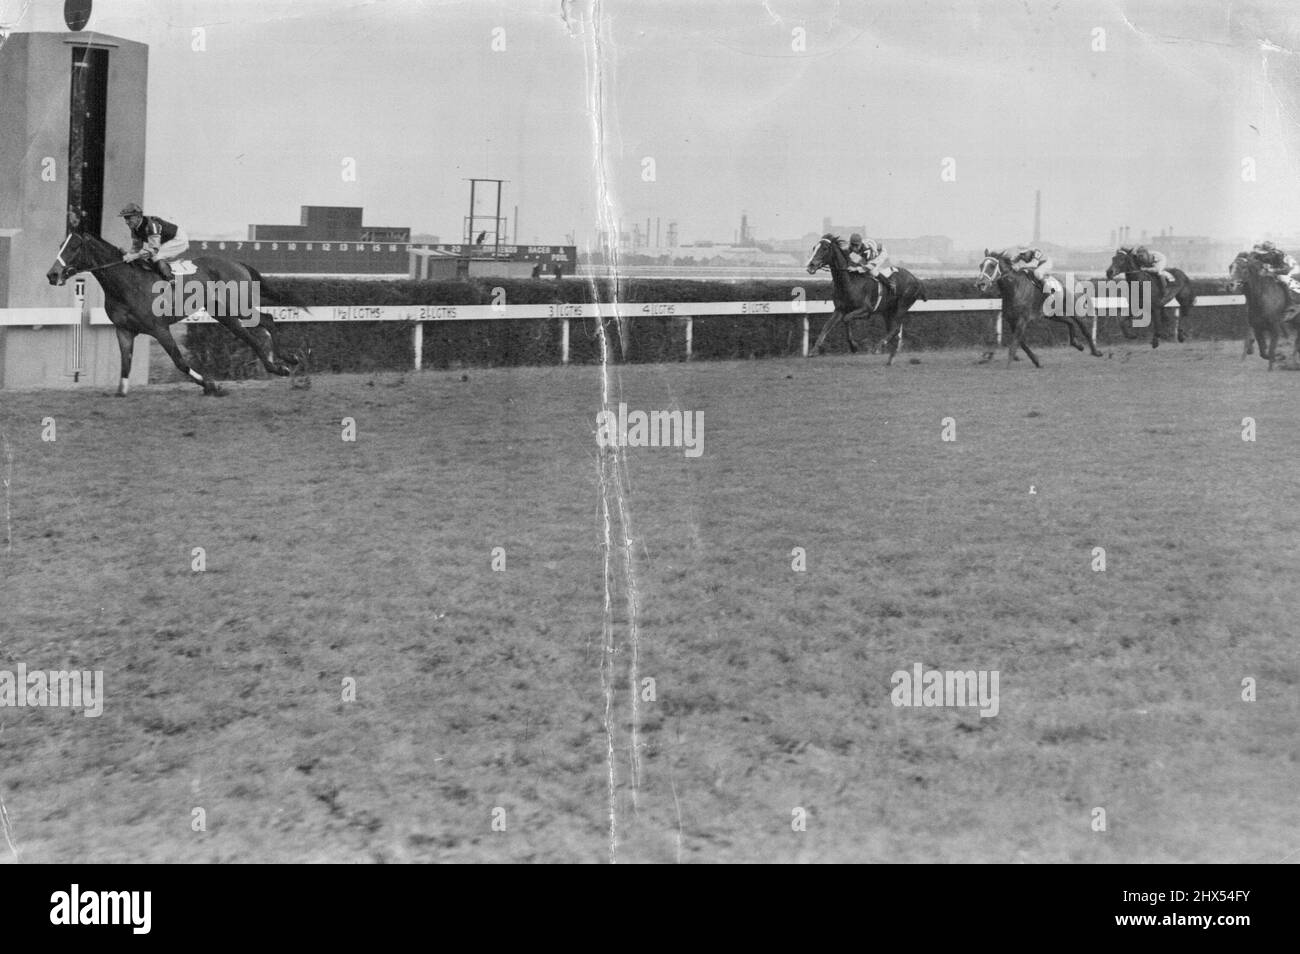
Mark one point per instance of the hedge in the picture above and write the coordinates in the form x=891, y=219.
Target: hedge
x=379, y=346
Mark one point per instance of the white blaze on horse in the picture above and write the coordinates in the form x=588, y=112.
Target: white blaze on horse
x=860, y=295
x=138, y=301
x=1022, y=303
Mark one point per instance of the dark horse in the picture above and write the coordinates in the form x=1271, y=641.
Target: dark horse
x=133, y=302
x=1022, y=302
x=858, y=295
x=1161, y=294
x=1267, y=302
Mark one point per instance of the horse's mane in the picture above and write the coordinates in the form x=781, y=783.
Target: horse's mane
x=96, y=239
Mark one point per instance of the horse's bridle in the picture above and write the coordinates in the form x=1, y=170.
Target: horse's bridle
x=997, y=269
x=59, y=258
x=820, y=242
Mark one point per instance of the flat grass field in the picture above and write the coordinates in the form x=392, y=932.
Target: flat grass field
x=501, y=698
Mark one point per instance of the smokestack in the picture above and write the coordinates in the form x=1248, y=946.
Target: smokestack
x=1038, y=216
x=1113, y=241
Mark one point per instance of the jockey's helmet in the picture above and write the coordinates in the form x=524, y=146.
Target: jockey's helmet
x=1266, y=247
x=855, y=238
x=1141, y=252
x=130, y=210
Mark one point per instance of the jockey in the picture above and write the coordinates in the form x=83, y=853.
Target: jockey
x=1144, y=257
x=1285, y=268
x=1032, y=262
x=153, y=239
x=872, y=258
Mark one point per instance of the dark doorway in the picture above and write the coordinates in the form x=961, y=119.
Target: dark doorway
x=86, y=136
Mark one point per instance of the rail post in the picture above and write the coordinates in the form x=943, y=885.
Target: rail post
x=417, y=343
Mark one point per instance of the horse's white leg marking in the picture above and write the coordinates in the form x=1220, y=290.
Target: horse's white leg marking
x=123, y=386
x=196, y=376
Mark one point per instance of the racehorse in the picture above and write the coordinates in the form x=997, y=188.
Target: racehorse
x=1022, y=302
x=1266, y=304
x=858, y=295
x=1180, y=289
x=131, y=302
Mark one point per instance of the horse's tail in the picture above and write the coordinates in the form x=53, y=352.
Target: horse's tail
x=918, y=287
x=1186, y=296
x=272, y=294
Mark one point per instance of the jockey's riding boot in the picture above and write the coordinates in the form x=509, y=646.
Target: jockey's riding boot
x=164, y=269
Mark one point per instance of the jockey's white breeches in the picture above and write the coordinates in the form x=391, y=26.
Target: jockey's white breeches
x=176, y=248
x=880, y=265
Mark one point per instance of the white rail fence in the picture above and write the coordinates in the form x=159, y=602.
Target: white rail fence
x=418, y=315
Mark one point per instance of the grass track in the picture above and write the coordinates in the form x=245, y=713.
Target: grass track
x=371, y=560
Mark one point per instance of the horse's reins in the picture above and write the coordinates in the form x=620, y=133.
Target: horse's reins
x=59, y=258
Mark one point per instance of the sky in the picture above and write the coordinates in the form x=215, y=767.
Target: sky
x=913, y=118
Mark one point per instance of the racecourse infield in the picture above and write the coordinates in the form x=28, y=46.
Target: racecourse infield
x=481, y=693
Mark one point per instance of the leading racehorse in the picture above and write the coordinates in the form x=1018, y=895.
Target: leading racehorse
x=1022, y=302
x=134, y=304
x=1162, y=293
x=858, y=295
x=1266, y=303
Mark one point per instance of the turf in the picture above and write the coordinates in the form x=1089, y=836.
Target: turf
x=481, y=689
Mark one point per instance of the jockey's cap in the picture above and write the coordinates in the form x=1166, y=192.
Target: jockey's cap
x=131, y=209
x=855, y=238
x=1141, y=250
x=1266, y=247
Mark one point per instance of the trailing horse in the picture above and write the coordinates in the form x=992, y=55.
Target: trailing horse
x=135, y=306
x=1162, y=293
x=1267, y=302
x=1022, y=302
x=858, y=295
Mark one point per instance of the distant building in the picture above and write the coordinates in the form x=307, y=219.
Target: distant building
x=844, y=231
x=1198, y=254
x=328, y=223
x=923, y=249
